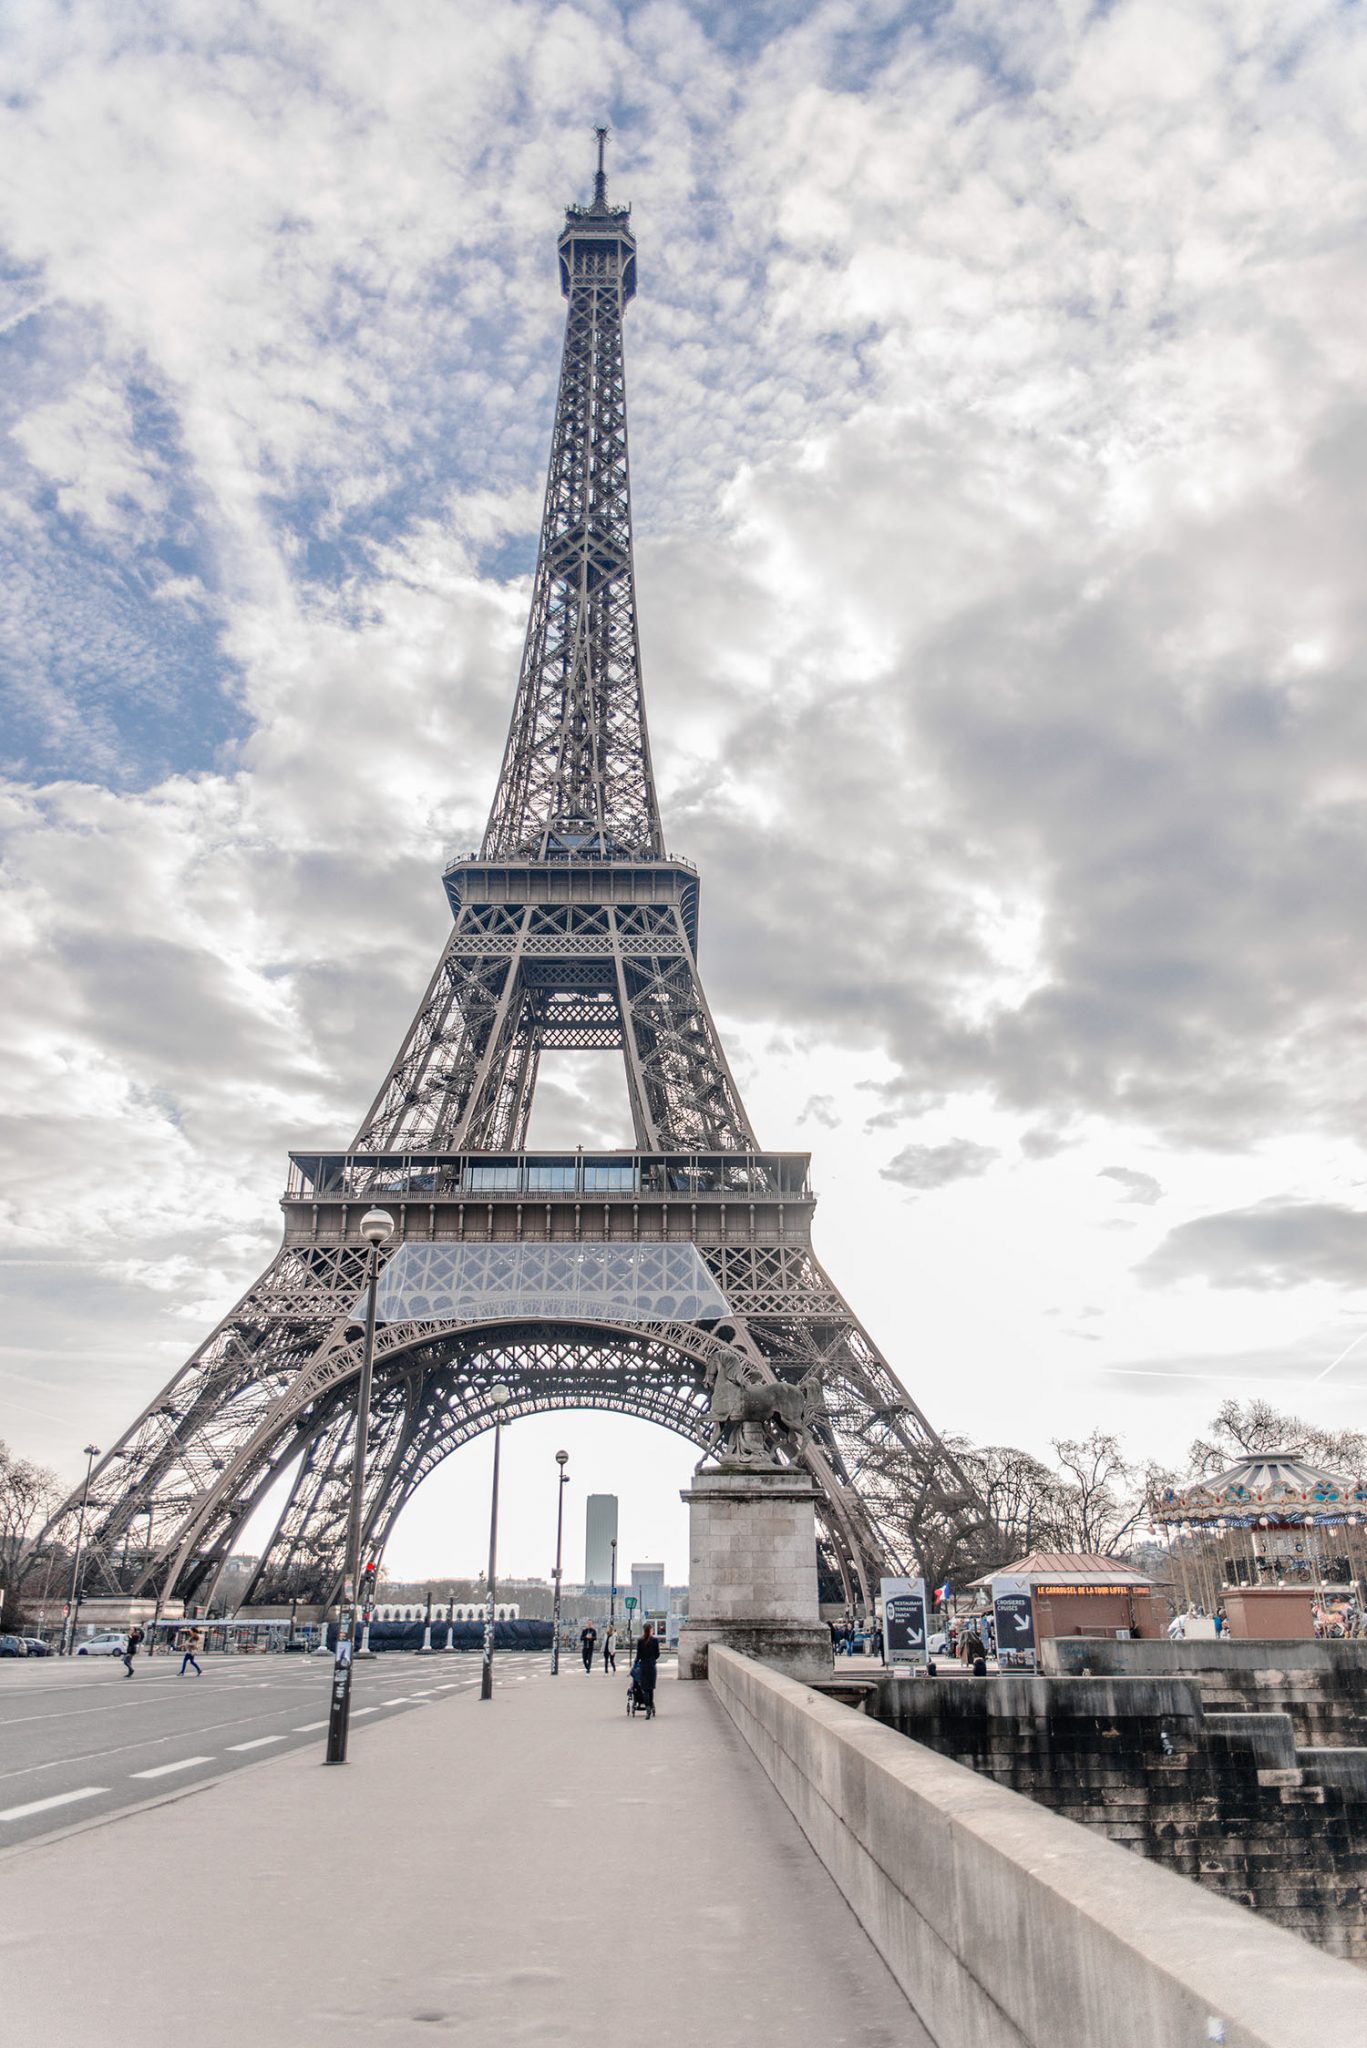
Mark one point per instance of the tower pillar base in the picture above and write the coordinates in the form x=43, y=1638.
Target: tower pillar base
x=752, y=1570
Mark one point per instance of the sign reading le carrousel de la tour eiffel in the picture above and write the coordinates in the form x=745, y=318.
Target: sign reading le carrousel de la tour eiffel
x=626, y=1280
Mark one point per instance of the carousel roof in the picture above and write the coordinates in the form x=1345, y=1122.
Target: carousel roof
x=1268, y=1481
x=1067, y=1566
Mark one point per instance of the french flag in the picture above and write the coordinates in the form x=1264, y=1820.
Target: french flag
x=942, y=1593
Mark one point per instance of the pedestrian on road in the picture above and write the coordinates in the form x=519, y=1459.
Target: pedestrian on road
x=588, y=1637
x=131, y=1648
x=643, y=1670
x=189, y=1643
x=610, y=1649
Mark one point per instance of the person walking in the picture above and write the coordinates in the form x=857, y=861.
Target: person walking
x=643, y=1670
x=610, y=1649
x=131, y=1648
x=189, y=1643
x=588, y=1637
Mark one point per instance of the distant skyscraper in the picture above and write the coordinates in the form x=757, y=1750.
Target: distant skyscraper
x=600, y=1533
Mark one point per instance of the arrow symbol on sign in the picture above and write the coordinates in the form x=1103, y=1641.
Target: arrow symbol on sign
x=1022, y=1622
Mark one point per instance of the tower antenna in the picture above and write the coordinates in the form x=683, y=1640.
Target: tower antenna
x=600, y=182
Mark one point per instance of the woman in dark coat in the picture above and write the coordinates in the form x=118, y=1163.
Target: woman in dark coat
x=643, y=1670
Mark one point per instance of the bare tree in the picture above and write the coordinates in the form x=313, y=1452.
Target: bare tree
x=941, y=1524
x=1241, y=1429
x=1023, y=1496
x=28, y=1494
x=1098, y=1505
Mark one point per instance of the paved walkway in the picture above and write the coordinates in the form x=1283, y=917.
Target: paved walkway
x=537, y=1869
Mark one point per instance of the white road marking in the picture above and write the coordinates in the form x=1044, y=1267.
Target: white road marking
x=187, y=1763
x=357, y=1712
x=403, y=1700
x=121, y=1749
x=308, y=1727
x=260, y=1742
x=57, y=1799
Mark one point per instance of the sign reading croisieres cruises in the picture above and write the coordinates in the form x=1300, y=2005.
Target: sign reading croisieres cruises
x=1013, y=1618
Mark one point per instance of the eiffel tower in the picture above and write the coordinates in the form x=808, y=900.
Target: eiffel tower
x=578, y=1279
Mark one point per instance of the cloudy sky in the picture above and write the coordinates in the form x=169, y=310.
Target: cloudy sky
x=999, y=416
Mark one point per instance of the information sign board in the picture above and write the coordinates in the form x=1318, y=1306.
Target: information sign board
x=904, y=1620
x=1013, y=1616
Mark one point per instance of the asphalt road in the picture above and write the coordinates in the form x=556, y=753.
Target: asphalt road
x=79, y=1739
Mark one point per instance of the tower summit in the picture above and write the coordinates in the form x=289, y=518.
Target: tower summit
x=675, y=1281
x=576, y=777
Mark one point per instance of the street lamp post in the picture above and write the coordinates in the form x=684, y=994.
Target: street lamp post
x=451, y=1623
x=427, y=1627
x=499, y=1398
x=612, y=1589
x=562, y=1459
x=73, y=1604
x=377, y=1227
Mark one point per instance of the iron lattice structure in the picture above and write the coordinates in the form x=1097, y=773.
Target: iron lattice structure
x=572, y=928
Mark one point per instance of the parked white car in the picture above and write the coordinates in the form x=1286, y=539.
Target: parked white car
x=103, y=1646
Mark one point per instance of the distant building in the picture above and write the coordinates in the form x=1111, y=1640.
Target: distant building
x=600, y=1533
x=443, y=1611
x=648, y=1584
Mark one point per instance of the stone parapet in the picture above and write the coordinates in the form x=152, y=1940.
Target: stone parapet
x=1009, y=1927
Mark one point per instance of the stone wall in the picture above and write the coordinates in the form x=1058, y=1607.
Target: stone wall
x=1228, y=1797
x=1321, y=1685
x=1005, y=1926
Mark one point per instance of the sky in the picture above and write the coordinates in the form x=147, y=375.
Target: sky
x=999, y=417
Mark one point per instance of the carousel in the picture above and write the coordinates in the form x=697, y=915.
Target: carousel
x=1277, y=1544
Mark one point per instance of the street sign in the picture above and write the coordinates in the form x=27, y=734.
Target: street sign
x=904, y=1620
x=1013, y=1615
x=628, y=1601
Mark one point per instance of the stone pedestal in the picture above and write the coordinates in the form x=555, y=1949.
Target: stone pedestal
x=752, y=1570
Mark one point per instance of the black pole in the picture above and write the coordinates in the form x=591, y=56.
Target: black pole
x=486, y=1676
x=73, y=1604
x=339, y=1706
x=561, y=1459
x=612, y=1589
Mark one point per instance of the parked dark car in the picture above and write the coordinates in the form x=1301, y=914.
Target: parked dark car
x=13, y=1646
x=36, y=1647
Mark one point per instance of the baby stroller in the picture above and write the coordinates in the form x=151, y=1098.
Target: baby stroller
x=638, y=1701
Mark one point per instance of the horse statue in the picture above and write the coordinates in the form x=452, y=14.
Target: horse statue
x=739, y=1410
